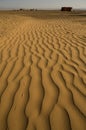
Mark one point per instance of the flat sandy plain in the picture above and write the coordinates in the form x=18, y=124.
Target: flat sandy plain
x=42, y=70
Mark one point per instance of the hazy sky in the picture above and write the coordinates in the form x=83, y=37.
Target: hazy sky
x=42, y=3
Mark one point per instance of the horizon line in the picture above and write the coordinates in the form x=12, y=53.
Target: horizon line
x=10, y=8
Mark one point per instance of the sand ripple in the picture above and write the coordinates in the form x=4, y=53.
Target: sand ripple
x=43, y=76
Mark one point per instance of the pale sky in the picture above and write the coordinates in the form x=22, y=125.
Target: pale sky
x=49, y=4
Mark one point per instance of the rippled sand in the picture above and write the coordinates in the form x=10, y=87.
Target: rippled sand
x=42, y=71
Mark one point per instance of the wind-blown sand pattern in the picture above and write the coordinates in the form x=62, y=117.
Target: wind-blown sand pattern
x=42, y=72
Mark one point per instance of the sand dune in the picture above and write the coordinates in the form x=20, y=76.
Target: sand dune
x=42, y=72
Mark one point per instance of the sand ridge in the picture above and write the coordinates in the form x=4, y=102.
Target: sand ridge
x=43, y=75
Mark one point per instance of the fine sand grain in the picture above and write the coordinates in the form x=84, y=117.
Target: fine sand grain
x=42, y=71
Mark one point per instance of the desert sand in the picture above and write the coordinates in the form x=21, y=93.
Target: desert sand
x=42, y=70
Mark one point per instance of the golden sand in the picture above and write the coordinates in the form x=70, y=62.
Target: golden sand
x=42, y=71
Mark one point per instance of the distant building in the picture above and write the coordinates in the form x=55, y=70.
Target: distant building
x=21, y=9
x=66, y=8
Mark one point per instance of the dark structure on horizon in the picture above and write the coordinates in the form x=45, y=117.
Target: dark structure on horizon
x=66, y=8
